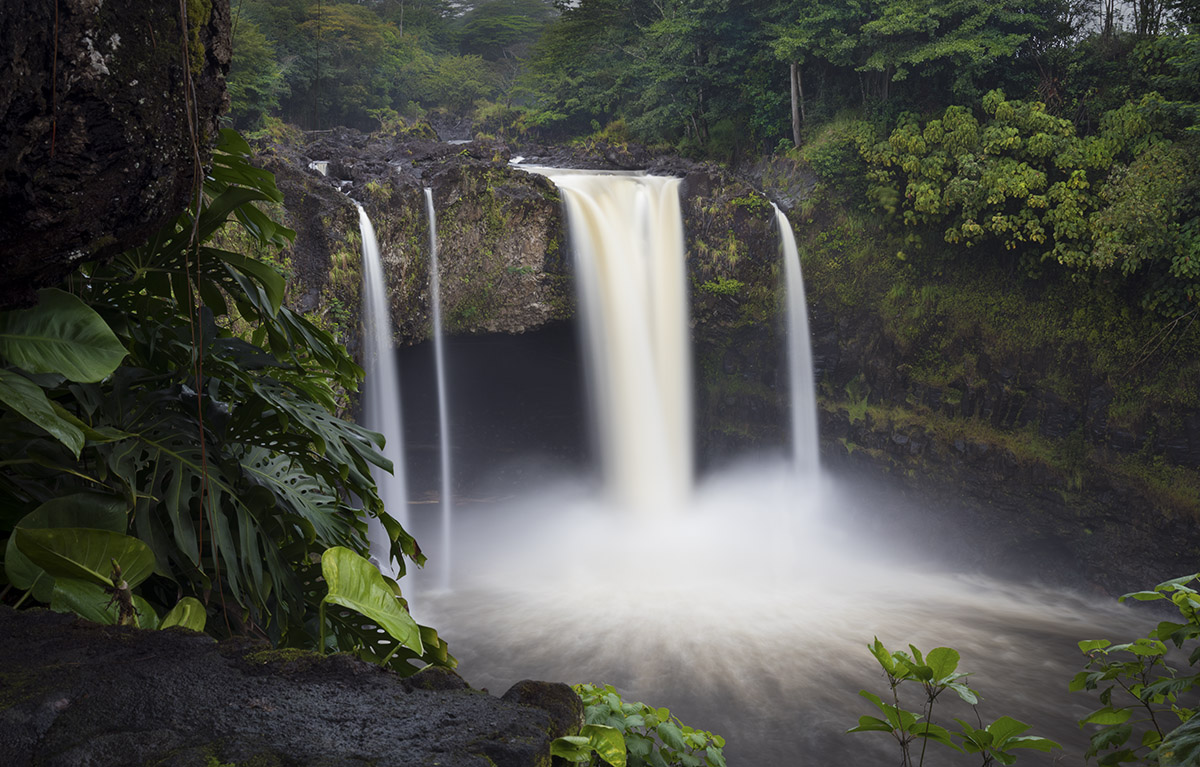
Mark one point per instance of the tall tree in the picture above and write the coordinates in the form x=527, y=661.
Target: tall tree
x=956, y=43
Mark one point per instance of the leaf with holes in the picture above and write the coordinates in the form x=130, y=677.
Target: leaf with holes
x=356, y=584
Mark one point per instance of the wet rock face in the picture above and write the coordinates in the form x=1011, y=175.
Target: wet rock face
x=978, y=506
x=78, y=693
x=96, y=151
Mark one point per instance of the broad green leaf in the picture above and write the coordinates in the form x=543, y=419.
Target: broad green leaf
x=60, y=335
x=1181, y=746
x=882, y=655
x=86, y=554
x=608, y=742
x=1004, y=728
x=90, y=510
x=1107, y=716
x=1178, y=583
x=188, y=613
x=964, y=692
x=975, y=740
x=356, y=584
x=1147, y=647
x=573, y=748
x=1088, y=645
x=1032, y=741
x=87, y=600
x=1142, y=596
x=638, y=745
x=716, y=757
x=671, y=735
x=27, y=399
x=871, y=724
x=936, y=733
x=943, y=661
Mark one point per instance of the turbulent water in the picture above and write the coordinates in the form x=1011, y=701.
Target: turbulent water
x=751, y=616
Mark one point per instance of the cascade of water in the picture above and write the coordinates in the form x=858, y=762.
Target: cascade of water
x=381, y=404
x=751, y=612
x=805, y=455
x=627, y=235
x=443, y=400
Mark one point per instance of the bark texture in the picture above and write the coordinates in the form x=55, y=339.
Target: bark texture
x=97, y=144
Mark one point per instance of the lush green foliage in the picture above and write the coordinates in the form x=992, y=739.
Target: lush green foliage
x=650, y=736
x=168, y=416
x=1125, y=197
x=935, y=673
x=1144, y=717
x=339, y=63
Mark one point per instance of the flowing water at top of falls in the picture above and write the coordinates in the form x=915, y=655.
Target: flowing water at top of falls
x=381, y=401
x=802, y=387
x=626, y=231
x=447, y=501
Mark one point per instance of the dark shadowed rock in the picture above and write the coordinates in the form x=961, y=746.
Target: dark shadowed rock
x=96, y=151
x=74, y=693
x=555, y=698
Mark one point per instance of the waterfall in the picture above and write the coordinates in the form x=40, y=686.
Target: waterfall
x=805, y=453
x=443, y=400
x=626, y=231
x=381, y=404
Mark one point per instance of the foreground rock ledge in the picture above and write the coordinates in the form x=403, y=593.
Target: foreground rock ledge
x=74, y=693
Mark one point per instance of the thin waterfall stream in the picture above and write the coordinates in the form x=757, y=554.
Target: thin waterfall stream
x=801, y=381
x=381, y=400
x=447, y=499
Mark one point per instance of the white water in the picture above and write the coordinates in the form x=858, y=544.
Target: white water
x=381, y=403
x=805, y=453
x=626, y=232
x=447, y=499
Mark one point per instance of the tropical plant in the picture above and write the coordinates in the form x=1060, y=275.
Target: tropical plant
x=650, y=736
x=174, y=398
x=935, y=673
x=1147, y=716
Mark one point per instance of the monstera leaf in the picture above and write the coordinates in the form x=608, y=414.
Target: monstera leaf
x=356, y=584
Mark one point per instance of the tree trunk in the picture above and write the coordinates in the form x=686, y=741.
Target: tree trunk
x=797, y=104
x=95, y=132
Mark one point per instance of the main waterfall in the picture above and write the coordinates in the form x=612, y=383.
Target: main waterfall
x=626, y=231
